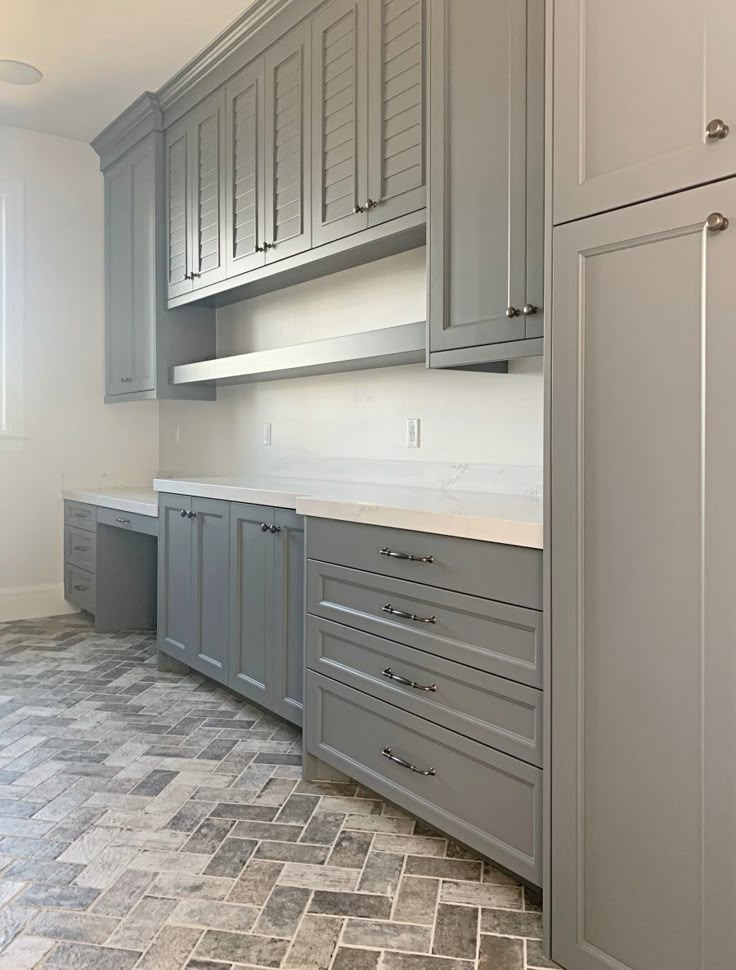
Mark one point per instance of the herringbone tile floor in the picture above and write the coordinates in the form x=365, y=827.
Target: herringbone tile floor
x=155, y=821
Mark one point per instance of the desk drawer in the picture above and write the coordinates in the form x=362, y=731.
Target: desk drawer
x=484, y=798
x=495, y=637
x=80, y=515
x=511, y=574
x=80, y=548
x=79, y=587
x=493, y=710
x=131, y=521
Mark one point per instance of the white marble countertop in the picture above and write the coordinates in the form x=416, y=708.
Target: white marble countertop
x=141, y=500
x=490, y=517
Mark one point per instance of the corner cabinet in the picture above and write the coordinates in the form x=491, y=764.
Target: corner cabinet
x=231, y=596
x=143, y=340
x=486, y=217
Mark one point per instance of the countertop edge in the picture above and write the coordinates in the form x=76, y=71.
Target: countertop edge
x=110, y=501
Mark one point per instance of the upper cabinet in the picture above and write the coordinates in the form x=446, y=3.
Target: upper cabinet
x=664, y=122
x=143, y=339
x=486, y=226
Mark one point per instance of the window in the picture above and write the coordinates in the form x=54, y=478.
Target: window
x=11, y=313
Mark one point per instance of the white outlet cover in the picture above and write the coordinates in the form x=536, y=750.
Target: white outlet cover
x=266, y=432
x=412, y=432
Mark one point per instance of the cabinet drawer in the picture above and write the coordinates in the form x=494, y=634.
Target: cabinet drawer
x=493, y=710
x=511, y=574
x=147, y=524
x=495, y=637
x=79, y=587
x=80, y=548
x=484, y=798
x=80, y=515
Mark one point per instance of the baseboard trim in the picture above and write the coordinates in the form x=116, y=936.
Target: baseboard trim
x=28, y=602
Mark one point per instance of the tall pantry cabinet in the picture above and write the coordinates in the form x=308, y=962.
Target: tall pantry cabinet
x=642, y=461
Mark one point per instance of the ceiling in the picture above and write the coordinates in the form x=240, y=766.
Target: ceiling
x=97, y=56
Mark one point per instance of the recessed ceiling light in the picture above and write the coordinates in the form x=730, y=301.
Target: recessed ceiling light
x=17, y=72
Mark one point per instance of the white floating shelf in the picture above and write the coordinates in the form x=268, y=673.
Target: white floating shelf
x=390, y=347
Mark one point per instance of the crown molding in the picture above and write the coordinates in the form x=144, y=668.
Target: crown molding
x=260, y=13
x=142, y=117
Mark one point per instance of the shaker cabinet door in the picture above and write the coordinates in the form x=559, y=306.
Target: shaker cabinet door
x=210, y=566
x=642, y=579
x=485, y=58
x=176, y=624
x=288, y=145
x=642, y=92
x=340, y=121
x=178, y=218
x=206, y=208
x=287, y=628
x=396, y=152
x=244, y=164
x=251, y=570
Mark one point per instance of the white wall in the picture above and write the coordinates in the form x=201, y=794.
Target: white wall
x=339, y=426
x=73, y=438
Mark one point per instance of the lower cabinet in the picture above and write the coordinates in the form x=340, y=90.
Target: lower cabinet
x=231, y=597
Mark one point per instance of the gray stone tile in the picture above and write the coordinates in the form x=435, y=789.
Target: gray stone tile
x=291, y=852
x=275, y=831
x=456, y=932
x=315, y=943
x=323, y=828
x=318, y=877
x=76, y=927
x=154, y=783
x=124, y=893
x=256, y=813
x=170, y=949
x=255, y=883
x=80, y=956
x=500, y=953
x=349, y=806
x=298, y=809
x=25, y=952
x=208, y=836
x=145, y=920
x=231, y=858
x=351, y=849
x=261, y=951
x=416, y=901
x=13, y=919
x=381, y=873
x=350, y=958
x=410, y=961
x=386, y=935
x=481, y=894
x=189, y=816
x=535, y=958
x=504, y=922
x=283, y=911
x=180, y=886
x=58, y=897
x=43, y=870
x=443, y=868
x=363, y=905
x=214, y=915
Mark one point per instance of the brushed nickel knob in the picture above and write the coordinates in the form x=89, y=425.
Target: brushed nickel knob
x=371, y=203
x=512, y=311
x=358, y=208
x=183, y=513
x=264, y=526
x=717, y=128
x=716, y=222
x=529, y=309
x=274, y=529
x=268, y=246
x=260, y=249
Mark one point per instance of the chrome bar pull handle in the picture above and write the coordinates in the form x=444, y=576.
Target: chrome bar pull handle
x=388, y=672
x=404, y=555
x=80, y=587
x=408, y=616
x=122, y=521
x=386, y=752
x=80, y=548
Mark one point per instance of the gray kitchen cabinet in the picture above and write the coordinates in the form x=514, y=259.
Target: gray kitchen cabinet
x=287, y=635
x=288, y=165
x=396, y=125
x=643, y=846
x=251, y=564
x=486, y=174
x=244, y=170
x=143, y=339
x=643, y=101
x=210, y=584
x=267, y=596
x=176, y=631
x=340, y=120
x=195, y=154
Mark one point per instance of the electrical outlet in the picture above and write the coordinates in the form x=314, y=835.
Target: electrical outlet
x=178, y=434
x=412, y=432
x=266, y=432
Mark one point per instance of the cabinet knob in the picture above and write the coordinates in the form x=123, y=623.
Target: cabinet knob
x=512, y=311
x=183, y=513
x=529, y=309
x=268, y=246
x=264, y=526
x=274, y=529
x=191, y=515
x=358, y=208
x=371, y=203
x=195, y=276
x=717, y=129
x=125, y=380
x=716, y=222
x=260, y=249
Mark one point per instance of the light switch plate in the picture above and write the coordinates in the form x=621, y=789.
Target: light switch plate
x=412, y=432
x=266, y=432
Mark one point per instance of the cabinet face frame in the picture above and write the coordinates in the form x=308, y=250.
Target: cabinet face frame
x=178, y=151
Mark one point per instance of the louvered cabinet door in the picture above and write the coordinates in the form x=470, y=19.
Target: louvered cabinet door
x=178, y=249
x=288, y=145
x=245, y=212
x=340, y=121
x=397, y=170
x=207, y=208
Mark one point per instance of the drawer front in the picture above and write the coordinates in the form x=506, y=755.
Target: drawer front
x=81, y=516
x=484, y=798
x=511, y=574
x=493, y=710
x=495, y=637
x=80, y=548
x=79, y=587
x=147, y=524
